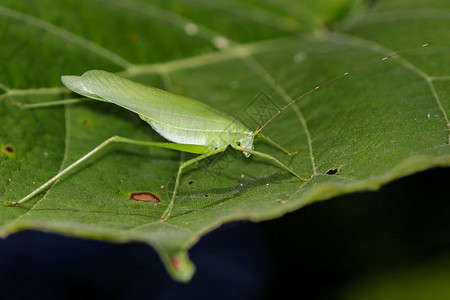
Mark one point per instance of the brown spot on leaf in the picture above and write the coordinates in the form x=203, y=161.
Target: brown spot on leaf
x=206, y=195
x=176, y=262
x=133, y=38
x=145, y=197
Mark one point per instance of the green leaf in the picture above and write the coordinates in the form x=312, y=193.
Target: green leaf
x=382, y=122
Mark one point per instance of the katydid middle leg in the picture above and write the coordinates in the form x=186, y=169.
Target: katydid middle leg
x=168, y=211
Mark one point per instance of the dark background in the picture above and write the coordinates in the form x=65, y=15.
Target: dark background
x=313, y=253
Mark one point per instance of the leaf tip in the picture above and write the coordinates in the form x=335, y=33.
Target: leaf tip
x=180, y=267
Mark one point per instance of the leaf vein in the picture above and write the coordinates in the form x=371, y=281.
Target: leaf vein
x=265, y=75
x=376, y=47
x=65, y=35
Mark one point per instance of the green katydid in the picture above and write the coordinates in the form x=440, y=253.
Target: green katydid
x=190, y=125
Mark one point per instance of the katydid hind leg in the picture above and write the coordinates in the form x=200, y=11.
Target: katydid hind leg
x=113, y=139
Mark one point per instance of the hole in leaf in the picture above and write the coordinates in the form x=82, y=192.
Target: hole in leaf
x=332, y=171
x=9, y=149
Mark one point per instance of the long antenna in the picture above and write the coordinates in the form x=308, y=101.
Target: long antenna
x=266, y=104
x=363, y=66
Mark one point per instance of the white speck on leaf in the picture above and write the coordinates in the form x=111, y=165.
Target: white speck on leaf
x=191, y=29
x=221, y=42
x=299, y=57
x=234, y=84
